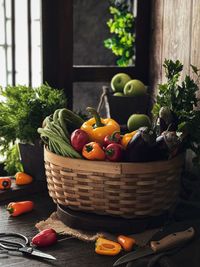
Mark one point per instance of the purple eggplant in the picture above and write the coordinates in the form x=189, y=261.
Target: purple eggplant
x=142, y=147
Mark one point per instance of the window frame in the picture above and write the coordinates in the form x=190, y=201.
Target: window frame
x=57, y=36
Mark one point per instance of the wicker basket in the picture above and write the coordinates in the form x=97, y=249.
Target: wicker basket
x=129, y=190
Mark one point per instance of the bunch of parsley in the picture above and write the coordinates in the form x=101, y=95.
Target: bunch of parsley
x=181, y=98
x=22, y=111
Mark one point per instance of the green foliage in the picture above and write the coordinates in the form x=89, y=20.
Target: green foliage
x=182, y=99
x=121, y=28
x=22, y=111
x=13, y=163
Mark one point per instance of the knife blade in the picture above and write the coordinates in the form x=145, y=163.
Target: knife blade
x=166, y=243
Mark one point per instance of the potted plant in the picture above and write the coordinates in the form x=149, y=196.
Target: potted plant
x=121, y=26
x=22, y=111
x=176, y=107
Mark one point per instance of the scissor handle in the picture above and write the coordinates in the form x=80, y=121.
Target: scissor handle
x=12, y=245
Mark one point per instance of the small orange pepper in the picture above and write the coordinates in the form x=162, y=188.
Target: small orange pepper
x=126, y=138
x=18, y=208
x=5, y=183
x=93, y=151
x=22, y=178
x=107, y=247
x=126, y=242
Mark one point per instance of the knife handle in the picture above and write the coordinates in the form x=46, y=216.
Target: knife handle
x=172, y=240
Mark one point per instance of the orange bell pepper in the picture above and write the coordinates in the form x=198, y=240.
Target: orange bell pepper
x=126, y=242
x=22, y=178
x=107, y=247
x=93, y=151
x=5, y=183
x=97, y=128
x=126, y=138
x=18, y=208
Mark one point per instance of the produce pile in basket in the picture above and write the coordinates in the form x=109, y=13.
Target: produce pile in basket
x=66, y=134
x=168, y=134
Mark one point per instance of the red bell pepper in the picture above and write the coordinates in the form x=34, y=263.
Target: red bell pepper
x=78, y=139
x=45, y=238
x=114, y=152
x=115, y=137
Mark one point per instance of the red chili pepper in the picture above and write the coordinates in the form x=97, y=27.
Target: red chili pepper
x=115, y=137
x=45, y=238
x=114, y=152
x=78, y=139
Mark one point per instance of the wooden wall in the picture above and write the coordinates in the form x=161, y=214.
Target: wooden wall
x=175, y=34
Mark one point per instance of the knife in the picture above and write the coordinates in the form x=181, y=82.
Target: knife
x=166, y=243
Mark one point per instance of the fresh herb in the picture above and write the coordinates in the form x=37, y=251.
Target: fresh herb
x=22, y=111
x=181, y=98
x=121, y=27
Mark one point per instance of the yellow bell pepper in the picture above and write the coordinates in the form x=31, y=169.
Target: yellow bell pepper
x=126, y=138
x=97, y=128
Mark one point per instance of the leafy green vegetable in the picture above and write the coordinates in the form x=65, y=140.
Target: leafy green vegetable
x=121, y=27
x=181, y=98
x=22, y=111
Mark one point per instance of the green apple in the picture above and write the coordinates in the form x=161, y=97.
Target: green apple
x=118, y=82
x=135, y=88
x=136, y=121
x=118, y=94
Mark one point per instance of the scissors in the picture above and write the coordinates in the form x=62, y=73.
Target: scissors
x=24, y=247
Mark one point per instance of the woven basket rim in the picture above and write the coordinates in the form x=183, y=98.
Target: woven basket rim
x=114, y=167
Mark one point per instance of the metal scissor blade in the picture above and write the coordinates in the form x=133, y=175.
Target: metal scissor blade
x=37, y=253
x=42, y=255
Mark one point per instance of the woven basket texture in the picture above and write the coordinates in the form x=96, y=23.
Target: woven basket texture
x=128, y=190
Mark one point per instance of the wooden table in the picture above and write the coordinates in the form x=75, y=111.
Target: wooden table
x=71, y=252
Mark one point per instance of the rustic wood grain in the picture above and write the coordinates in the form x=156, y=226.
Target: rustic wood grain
x=23, y=190
x=176, y=32
x=71, y=252
x=195, y=35
x=156, y=43
x=175, y=35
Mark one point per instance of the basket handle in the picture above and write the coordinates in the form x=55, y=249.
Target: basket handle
x=104, y=100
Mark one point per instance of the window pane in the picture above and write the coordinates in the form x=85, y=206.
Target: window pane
x=20, y=53
x=2, y=67
x=36, y=42
x=89, y=93
x=21, y=34
x=91, y=30
x=2, y=23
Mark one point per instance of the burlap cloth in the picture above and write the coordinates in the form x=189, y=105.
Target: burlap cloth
x=55, y=223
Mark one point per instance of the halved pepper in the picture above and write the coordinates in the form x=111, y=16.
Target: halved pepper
x=97, y=128
x=5, y=183
x=107, y=247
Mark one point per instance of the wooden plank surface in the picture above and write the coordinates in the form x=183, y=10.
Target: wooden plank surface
x=71, y=252
x=23, y=190
x=156, y=46
x=195, y=36
x=176, y=31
